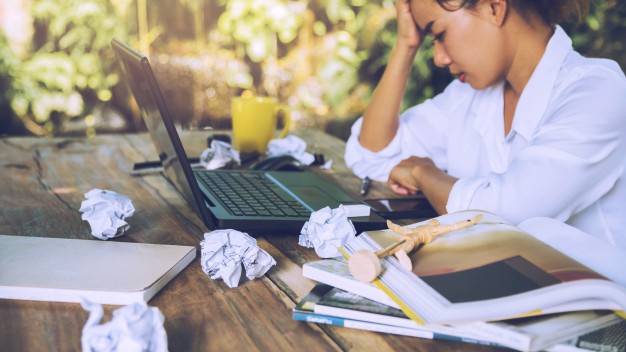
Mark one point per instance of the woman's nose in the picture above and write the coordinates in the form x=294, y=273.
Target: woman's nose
x=440, y=56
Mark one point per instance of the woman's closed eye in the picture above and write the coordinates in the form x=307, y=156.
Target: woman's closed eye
x=439, y=36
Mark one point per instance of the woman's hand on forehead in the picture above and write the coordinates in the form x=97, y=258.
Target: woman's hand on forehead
x=409, y=33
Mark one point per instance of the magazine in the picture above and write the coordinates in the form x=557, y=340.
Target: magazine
x=524, y=334
x=490, y=271
x=307, y=311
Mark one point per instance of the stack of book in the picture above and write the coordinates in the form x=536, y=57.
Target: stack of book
x=539, y=286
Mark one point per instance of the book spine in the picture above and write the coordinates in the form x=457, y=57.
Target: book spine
x=361, y=325
x=365, y=316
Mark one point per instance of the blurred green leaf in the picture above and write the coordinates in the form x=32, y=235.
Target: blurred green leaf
x=70, y=59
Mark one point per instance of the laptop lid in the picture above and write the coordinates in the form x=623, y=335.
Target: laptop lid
x=311, y=189
x=176, y=166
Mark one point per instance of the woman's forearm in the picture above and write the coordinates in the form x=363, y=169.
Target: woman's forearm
x=380, y=120
x=436, y=185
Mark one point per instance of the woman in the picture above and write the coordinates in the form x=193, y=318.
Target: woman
x=528, y=128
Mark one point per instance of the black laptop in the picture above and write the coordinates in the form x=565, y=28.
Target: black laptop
x=246, y=200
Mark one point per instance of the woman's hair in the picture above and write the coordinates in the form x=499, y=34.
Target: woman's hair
x=551, y=11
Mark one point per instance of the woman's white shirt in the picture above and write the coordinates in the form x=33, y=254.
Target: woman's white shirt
x=564, y=157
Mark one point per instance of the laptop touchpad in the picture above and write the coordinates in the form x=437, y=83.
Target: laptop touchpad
x=314, y=197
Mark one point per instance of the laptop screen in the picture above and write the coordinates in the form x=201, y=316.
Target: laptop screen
x=145, y=89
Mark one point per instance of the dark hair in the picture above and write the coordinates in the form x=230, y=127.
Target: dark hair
x=551, y=11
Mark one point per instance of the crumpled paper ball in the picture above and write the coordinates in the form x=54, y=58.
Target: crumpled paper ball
x=225, y=252
x=105, y=212
x=290, y=145
x=326, y=231
x=133, y=328
x=218, y=155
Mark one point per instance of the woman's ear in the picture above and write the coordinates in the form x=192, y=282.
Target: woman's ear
x=495, y=11
x=499, y=10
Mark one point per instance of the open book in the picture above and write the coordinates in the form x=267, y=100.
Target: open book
x=493, y=271
x=523, y=334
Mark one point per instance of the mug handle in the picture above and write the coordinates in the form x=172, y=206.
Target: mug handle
x=286, y=120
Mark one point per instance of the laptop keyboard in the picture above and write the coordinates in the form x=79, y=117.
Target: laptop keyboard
x=251, y=194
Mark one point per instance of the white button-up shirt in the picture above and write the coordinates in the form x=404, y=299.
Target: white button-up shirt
x=564, y=157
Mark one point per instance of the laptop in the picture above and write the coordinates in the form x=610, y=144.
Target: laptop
x=257, y=202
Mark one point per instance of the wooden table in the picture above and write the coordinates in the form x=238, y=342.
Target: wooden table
x=43, y=182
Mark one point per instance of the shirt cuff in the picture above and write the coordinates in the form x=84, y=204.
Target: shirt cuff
x=463, y=193
x=365, y=162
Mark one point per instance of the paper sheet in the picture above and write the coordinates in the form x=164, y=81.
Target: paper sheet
x=224, y=252
x=290, y=145
x=327, y=230
x=105, y=212
x=220, y=154
x=133, y=328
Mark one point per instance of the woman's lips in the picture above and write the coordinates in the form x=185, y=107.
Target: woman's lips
x=462, y=77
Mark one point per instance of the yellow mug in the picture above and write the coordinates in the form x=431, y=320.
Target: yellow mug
x=255, y=121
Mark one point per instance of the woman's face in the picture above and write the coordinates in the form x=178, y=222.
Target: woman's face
x=469, y=42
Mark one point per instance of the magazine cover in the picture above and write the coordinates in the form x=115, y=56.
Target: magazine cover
x=307, y=310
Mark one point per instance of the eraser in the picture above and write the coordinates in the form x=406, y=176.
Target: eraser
x=356, y=210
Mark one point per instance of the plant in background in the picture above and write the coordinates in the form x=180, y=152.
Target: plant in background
x=603, y=34
x=8, y=64
x=332, y=52
x=70, y=70
x=342, y=29
x=298, y=50
x=323, y=57
x=343, y=46
x=255, y=27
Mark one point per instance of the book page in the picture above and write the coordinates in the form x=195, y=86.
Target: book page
x=490, y=260
x=593, y=252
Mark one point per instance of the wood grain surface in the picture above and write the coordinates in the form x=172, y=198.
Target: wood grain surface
x=43, y=185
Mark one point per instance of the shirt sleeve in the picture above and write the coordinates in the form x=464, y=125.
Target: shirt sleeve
x=422, y=132
x=575, y=157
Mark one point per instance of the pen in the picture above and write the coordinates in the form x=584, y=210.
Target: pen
x=365, y=185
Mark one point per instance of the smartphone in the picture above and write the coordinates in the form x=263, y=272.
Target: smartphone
x=402, y=208
x=154, y=167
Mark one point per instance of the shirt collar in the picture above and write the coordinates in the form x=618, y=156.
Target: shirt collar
x=537, y=93
x=488, y=109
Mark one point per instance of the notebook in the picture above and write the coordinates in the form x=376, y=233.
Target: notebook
x=216, y=195
x=70, y=270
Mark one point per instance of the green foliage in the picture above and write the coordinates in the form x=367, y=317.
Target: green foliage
x=347, y=45
x=8, y=64
x=70, y=66
x=356, y=37
x=257, y=24
x=603, y=34
x=323, y=56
